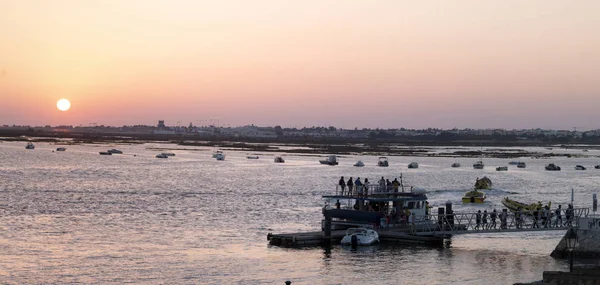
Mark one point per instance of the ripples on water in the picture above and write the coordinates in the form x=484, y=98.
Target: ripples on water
x=79, y=217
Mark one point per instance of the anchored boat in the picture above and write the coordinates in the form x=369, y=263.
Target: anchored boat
x=552, y=167
x=331, y=160
x=514, y=205
x=30, y=146
x=483, y=183
x=383, y=162
x=413, y=165
x=474, y=196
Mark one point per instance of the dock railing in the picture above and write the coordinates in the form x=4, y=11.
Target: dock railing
x=462, y=223
x=371, y=190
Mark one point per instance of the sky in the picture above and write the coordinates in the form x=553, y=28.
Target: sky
x=345, y=63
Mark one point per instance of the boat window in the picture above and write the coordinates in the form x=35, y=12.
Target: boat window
x=419, y=205
x=411, y=205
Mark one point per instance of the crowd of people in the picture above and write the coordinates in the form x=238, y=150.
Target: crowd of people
x=540, y=217
x=352, y=187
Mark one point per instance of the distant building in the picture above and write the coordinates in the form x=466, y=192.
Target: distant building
x=161, y=123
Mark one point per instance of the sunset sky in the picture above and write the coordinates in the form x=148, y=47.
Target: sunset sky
x=345, y=63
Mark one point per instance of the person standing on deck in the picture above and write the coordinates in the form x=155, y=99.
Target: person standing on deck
x=381, y=184
x=366, y=187
x=358, y=186
x=478, y=219
x=503, y=217
x=342, y=184
x=350, y=185
x=395, y=185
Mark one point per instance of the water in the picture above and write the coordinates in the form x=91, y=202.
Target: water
x=79, y=217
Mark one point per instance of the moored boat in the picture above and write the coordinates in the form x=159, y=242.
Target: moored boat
x=474, y=196
x=359, y=164
x=455, y=165
x=521, y=164
x=220, y=156
x=115, y=151
x=162, y=155
x=29, y=146
x=383, y=161
x=61, y=148
x=278, y=159
x=216, y=153
x=413, y=165
x=552, y=167
x=502, y=168
x=168, y=153
x=360, y=236
x=597, y=166
x=331, y=160
x=105, y=153
x=251, y=156
x=579, y=167
x=478, y=165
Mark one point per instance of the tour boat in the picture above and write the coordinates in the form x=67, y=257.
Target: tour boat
x=381, y=207
x=30, y=146
x=383, y=162
x=413, y=165
x=331, y=160
x=552, y=167
x=359, y=164
x=360, y=236
x=278, y=159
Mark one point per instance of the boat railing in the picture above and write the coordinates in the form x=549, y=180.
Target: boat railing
x=372, y=190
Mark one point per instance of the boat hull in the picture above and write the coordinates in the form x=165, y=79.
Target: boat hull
x=476, y=200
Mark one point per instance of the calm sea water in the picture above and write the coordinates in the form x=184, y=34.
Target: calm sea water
x=79, y=217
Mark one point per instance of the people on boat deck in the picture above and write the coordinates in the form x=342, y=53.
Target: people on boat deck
x=545, y=211
x=337, y=204
x=350, y=185
x=366, y=187
x=493, y=219
x=518, y=218
x=388, y=185
x=357, y=183
x=381, y=184
x=478, y=219
x=503, y=217
x=569, y=215
x=342, y=184
x=536, y=217
x=558, y=222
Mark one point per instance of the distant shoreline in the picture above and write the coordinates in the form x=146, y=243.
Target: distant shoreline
x=301, y=146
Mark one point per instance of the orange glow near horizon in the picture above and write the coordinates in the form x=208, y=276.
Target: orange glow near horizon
x=361, y=64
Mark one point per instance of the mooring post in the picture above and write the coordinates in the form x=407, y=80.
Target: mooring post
x=449, y=213
x=441, y=218
x=327, y=226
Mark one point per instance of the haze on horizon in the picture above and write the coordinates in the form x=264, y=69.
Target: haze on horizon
x=387, y=64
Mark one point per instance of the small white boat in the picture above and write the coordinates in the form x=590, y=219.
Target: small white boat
x=579, y=167
x=331, y=160
x=115, y=151
x=413, y=165
x=162, y=155
x=220, y=156
x=478, y=165
x=383, y=162
x=278, y=159
x=252, y=157
x=502, y=168
x=61, y=148
x=30, y=146
x=359, y=164
x=361, y=236
x=456, y=164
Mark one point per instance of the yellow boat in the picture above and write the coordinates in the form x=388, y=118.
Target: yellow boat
x=483, y=183
x=515, y=205
x=474, y=196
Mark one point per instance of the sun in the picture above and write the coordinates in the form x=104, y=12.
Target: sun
x=63, y=104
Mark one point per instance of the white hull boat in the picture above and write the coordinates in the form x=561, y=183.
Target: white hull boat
x=361, y=236
x=359, y=164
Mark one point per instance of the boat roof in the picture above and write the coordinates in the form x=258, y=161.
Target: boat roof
x=381, y=198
